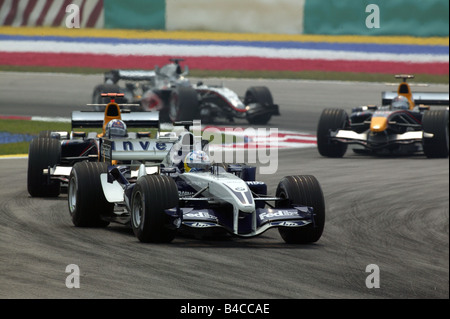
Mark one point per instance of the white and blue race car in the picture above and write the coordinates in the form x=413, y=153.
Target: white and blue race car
x=138, y=183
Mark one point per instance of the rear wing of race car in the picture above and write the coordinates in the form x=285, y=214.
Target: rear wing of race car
x=130, y=75
x=427, y=98
x=417, y=98
x=85, y=119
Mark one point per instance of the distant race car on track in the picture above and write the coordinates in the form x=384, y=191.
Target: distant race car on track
x=147, y=185
x=167, y=90
x=404, y=124
x=64, y=149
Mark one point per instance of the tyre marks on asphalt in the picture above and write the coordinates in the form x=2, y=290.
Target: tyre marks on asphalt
x=374, y=237
x=238, y=138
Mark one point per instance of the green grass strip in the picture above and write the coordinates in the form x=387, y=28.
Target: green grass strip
x=26, y=127
x=31, y=127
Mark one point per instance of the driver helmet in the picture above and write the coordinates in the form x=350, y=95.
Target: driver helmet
x=116, y=128
x=400, y=103
x=197, y=161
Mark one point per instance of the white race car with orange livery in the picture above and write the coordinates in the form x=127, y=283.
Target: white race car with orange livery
x=52, y=154
x=405, y=124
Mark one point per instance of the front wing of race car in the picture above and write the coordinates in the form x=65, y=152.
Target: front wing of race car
x=223, y=200
x=244, y=224
x=257, y=110
x=378, y=141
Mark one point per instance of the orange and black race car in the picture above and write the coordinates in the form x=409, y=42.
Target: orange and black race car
x=404, y=124
x=63, y=149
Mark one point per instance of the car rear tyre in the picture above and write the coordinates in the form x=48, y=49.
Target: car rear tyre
x=151, y=196
x=331, y=120
x=42, y=154
x=260, y=95
x=184, y=105
x=86, y=200
x=436, y=123
x=302, y=190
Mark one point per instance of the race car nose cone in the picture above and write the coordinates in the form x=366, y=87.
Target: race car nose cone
x=378, y=124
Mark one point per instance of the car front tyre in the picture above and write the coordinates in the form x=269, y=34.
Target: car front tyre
x=436, y=123
x=331, y=120
x=260, y=95
x=302, y=190
x=150, y=197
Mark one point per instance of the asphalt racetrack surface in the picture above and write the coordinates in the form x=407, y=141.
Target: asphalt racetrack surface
x=392, y=212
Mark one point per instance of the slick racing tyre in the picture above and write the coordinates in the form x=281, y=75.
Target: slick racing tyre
x=302, y=190
x=436, y=123
x=86, y=200
x=42, y=154
x=262, y=96
x=151, y=196
x=183, y=104
x=331, y=120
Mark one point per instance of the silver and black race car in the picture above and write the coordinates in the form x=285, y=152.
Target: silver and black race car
x=403, y=125
x=141, y=184
x=167, y=90
x=64, y=149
